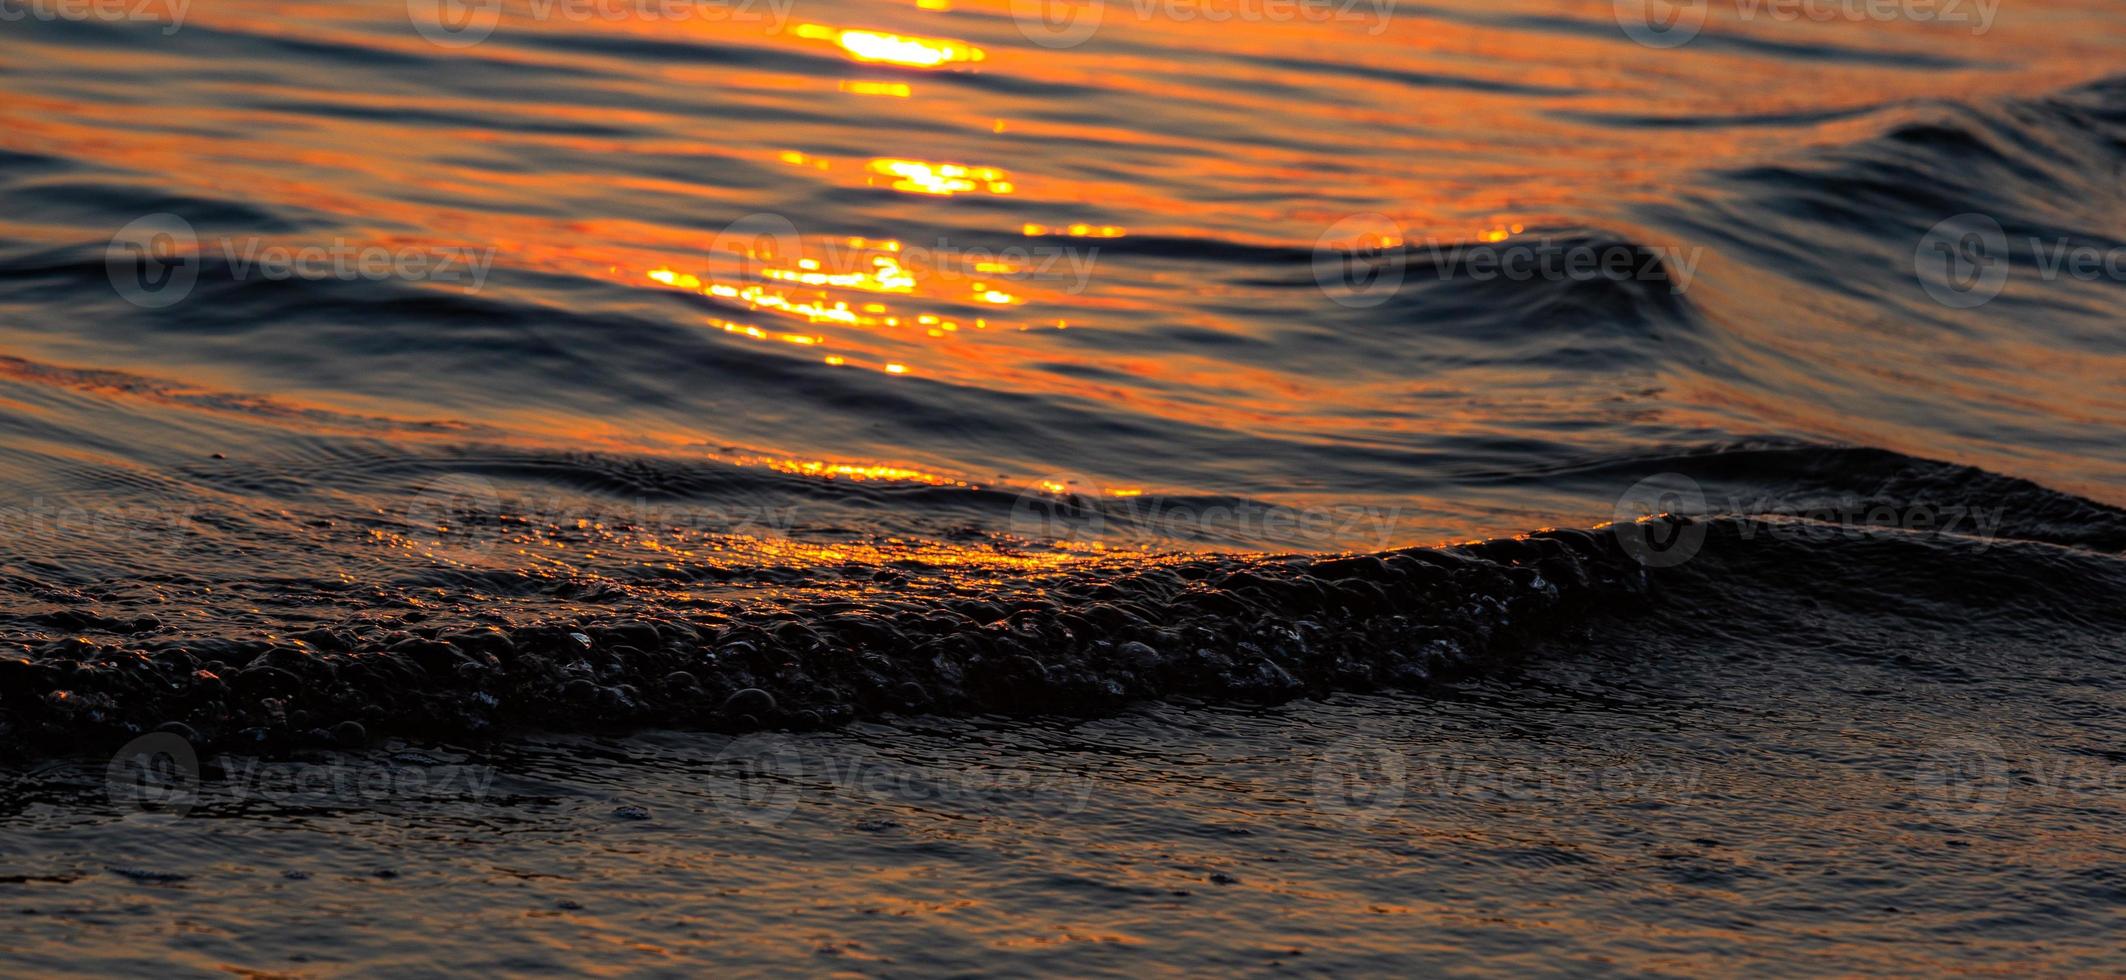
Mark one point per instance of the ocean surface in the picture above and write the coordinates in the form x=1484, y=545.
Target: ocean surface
x=966, y=486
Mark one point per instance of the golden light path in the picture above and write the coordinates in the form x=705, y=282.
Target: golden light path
x=938, y=180
x=941, y=179
x=855, y=471
x=1032, y=230
x=879, y=47
x=896, y=90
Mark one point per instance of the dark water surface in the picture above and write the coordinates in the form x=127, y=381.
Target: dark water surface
x=433, y=403
x=1827, y=773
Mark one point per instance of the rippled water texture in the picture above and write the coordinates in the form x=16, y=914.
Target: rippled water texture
x=1290, y=389
x=1785, y=172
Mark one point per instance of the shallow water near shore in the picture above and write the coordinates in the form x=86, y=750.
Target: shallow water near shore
x=1665, y=795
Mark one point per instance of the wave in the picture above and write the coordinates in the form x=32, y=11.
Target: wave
x=1828, y=307
x=573, y=497
x=799, y=634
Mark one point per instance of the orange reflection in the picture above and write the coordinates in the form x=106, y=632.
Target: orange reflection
x=887, y=275
x=1032, y=230
x=941, y=179
x=896, y=49
x=897, y=90
x=1170, y=166
x=856, y=471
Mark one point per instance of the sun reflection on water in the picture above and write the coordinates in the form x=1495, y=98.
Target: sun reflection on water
x=941, y=179
x=879, y=47
x=896, y=90
x=1032, y=230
